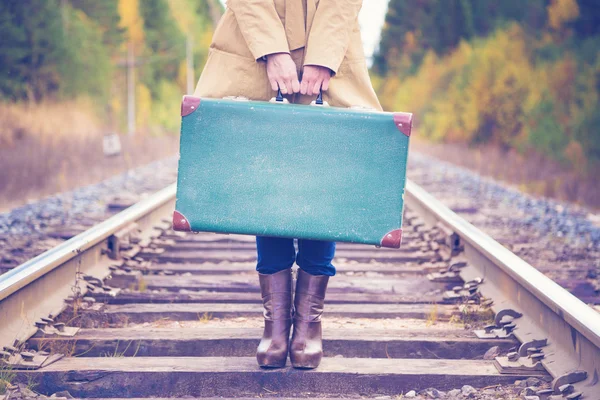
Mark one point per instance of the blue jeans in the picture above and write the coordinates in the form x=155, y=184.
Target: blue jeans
x=277, y=254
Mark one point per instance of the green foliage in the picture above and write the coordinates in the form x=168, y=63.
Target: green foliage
x=532, y=84
x=106, y=15
x=545, y=133
x=41, y=52
x=166, y=108
x=414, y=27
x=86, y=71
x=164, y=41
x=31, y=48
x=66, y=49
x=588, y=23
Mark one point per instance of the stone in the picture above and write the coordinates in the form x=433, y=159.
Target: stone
x=454, y=393
x=531, y=381
x=521, y=384
x=468, y=391
x=410, y=395
x=64, y=393
x=433, y=393
x=27, y=393
x=528, y=391
x=492, y=353
x=531, y=398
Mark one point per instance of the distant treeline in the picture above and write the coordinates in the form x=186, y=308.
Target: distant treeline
x=519, y=74
x=65, y=49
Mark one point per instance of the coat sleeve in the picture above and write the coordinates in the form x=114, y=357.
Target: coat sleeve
x=260, y=25
x=329, y=36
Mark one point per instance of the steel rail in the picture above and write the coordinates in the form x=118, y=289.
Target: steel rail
x=578, y=314
x=25, y=296
x=573, y=328
x=551, y=312
x=31, y=270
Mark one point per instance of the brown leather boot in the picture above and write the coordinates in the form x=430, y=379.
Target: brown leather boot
x=276, y=292
x=306, y=349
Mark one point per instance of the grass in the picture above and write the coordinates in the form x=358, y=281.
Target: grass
x=205, y=317
x=32, y=383
x=52, y=147
x=476, y=315
x=121, y=353
x=7, y=376
x=433, y=316
x=45, y=121
x=140, y=285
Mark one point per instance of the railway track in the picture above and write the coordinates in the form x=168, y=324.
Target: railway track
x=130, y=308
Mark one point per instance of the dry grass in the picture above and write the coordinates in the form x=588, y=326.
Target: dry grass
x=531, y=173
x=7, y=376
x=48, y=148
x=48, y=122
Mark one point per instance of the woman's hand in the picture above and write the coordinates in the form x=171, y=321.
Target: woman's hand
x=282, y=74
x=314, y=78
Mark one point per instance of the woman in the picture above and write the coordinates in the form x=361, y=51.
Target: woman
x=300, y=47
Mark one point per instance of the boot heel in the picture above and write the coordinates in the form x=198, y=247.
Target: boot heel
x=306, y=348
x=276, y=292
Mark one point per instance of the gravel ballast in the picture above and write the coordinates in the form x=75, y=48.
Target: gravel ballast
x=562, y=240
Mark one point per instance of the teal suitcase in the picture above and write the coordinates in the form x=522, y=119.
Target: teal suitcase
x=296, y=171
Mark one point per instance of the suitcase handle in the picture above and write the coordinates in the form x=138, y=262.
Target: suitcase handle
x=318, y=101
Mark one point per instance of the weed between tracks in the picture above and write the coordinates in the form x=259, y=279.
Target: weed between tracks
x=140, y=285
x=470, y=316
x=66, y=347
x=205, y=317
x=432, y=318
x=7, y=376
x=476, y=315
x=117, y=353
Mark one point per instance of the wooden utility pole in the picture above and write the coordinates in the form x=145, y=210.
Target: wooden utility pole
x=130, y=90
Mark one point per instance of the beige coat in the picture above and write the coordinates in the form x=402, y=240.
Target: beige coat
x=314, y=32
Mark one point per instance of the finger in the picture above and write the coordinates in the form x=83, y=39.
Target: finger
x=274, y=85
x=303, y=86
x=282, y=86
x=290, y=86
x=317, y=86
x=326, y=84
x=295, y=85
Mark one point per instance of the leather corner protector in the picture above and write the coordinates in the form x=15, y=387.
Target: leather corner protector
x=392, y=239
x=180, y=223
x=189, y=104
x=403, y=122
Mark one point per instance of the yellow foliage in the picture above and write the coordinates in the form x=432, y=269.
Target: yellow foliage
x=182, y=76
x=561, y=12
x=131, y=20
x=143, y=107
x=180, y=11
x=410, y=42
x=497, y=90
x=389, y=87
x=205, y=39
x=473, y=93
x=165, y=109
